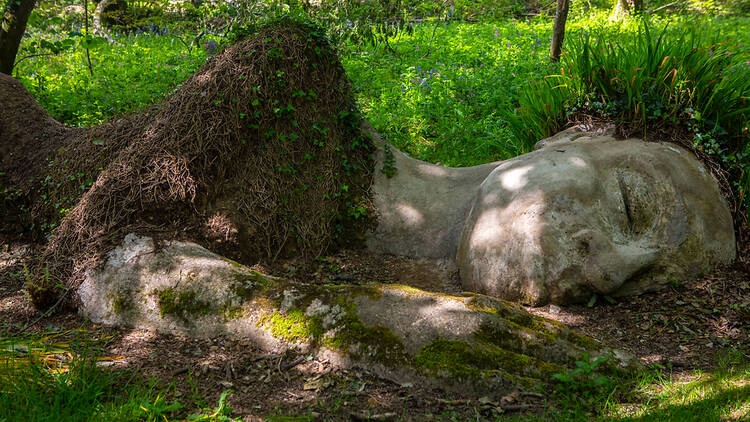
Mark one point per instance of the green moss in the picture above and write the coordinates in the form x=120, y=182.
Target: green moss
x=375, y=343
x=233, y=263
x=229, y=312
x=183, y=304
x=504, y=311
x=409, y=290
x=246, y=285
x=293, y=326
x=585, y=342
x=121, y=303
x=481, y=361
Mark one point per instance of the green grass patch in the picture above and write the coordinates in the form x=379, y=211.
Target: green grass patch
x=59, y=377
x=138, y=72
x=719, y=395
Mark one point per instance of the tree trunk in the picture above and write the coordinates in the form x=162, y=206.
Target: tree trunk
x=103, y=7
x=13, y=26
x=623, y=7
x=558, y=30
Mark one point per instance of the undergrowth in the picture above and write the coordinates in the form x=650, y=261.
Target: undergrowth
x=61, y=376
x=677, y=84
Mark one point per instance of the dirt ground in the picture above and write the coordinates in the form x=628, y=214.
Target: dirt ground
x=683, y=327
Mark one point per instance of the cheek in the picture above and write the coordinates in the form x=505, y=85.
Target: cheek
x=641, y=209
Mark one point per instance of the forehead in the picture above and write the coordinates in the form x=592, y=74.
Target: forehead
x=585, y=165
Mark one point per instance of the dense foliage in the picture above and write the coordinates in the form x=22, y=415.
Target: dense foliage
x=687, y=86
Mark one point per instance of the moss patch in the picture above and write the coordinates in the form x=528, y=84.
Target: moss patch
x=121, y=303
x=293, y=326
x=479, y=361
x=376, y=343
x=585, y=342
x=247, y=285
x=504, y=311
x=229, y=312
x=183, y=304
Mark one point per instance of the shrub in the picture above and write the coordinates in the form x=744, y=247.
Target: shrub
x=682, y=85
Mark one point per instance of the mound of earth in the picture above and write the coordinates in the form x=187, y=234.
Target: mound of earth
x=258, y=155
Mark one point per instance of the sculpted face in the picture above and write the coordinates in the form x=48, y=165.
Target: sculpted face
x=579, y=216
x=593, y=215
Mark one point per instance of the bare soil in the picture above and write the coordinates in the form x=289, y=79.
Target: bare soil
x=682, y=328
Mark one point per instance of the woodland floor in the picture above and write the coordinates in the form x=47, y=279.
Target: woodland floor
x=683, y=328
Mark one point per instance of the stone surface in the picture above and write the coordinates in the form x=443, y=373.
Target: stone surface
x=469, y=342
x=422, y=208
x=581, y=215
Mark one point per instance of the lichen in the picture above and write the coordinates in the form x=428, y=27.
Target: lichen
x=183, y=304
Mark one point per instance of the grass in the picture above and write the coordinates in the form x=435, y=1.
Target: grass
x=55, y=376
x=723, y=394
x=58, y=377
x=141, y=70
x=660, y=82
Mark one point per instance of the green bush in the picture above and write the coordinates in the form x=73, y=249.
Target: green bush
x=686, y=84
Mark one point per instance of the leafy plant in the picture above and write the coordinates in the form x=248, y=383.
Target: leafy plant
x=389, y=162
x=680, y=82
x=584, y=379
x=221, y=413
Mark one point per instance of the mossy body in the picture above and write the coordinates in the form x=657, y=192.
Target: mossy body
x=464, y=339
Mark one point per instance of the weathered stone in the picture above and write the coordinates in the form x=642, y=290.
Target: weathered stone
x=581, y=215
x=469, y=342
